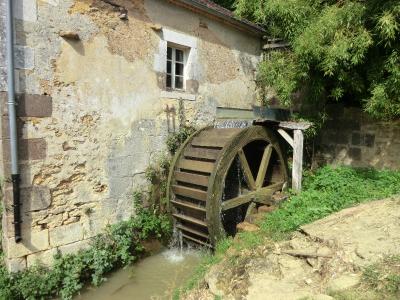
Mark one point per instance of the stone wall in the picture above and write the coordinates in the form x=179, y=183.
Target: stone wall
x=92, y=109
x=353, y=138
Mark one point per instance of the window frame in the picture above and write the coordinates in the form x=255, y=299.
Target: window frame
x=173, y=62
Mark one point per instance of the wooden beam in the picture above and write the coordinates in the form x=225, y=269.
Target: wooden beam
x=295, y=125
x=263, y=166
x=246, y=170
x=263, y=195
x=297, y=170
x=286, y=136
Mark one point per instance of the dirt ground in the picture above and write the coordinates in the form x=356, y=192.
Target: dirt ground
x=322, y=257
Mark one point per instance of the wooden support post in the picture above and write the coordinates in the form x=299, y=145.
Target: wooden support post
x=296, y=143
x=297, y=169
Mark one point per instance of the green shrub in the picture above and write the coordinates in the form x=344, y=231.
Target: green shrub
x=119, y=246
x=176, y=139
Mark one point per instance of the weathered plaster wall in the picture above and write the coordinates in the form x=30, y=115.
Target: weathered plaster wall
x=351, y=137
x=92, y=111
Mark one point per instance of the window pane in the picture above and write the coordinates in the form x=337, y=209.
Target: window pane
x=179, y=69
x=179, y=55
x=178, y=82
x=169, y=52
x=169, y=67
x=169, y=81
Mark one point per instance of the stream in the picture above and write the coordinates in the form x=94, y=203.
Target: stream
x=154, y=277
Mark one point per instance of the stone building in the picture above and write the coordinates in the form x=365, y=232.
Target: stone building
x=94, y=80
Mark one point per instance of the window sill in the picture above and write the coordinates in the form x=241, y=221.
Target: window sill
x=178, y=95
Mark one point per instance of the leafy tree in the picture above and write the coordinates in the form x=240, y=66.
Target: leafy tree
x=343, y=50
x=229, y=4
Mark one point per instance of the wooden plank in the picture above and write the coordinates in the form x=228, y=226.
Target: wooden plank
x=234, y=113
x=286, y=136
x=188, y=205
x=204, y=153
x=295, y=125
x=297, y=170
x=246, y=170
x=191, y=178
x=191, y=230
x=263, y=166
x=209, y=141
x=263, y=195
x=190, y=220
x=195, y=165
x=189, y=192
x=196, y=240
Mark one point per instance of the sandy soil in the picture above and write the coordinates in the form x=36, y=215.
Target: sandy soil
x=327, y=255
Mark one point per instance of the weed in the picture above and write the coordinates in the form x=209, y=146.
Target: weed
x=176, y=139
x=119, y=246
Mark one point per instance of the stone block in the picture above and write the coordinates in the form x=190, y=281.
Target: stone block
x=122, y=166
x=32, y=149
x=93, y=227
x=74, y=247
x=25, y=10
x=5, y=127
x=369, y=140
x=66, y=234
x=356, y=139
x=38, y=106
x=355, y=153
x=35, y=198
x=341, y=137
x=43, y=258
x=119, y=186
x=24, y=57
x=3, y=79
x=15, y=264
x=32, y=242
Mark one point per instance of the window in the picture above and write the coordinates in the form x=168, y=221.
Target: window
x=175, y=68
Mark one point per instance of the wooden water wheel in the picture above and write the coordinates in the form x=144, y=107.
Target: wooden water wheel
x=217, y=173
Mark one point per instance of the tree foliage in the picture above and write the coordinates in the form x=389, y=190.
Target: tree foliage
x=343, y=50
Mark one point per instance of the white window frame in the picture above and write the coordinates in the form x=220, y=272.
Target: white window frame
x=173, y=61
x=192, y=67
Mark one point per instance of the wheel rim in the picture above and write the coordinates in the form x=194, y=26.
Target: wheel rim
x=217, y=205
x=201, y=173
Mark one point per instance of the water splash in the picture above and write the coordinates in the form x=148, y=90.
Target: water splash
x=180, y=241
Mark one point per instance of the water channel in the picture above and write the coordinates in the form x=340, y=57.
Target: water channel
x=154, y=277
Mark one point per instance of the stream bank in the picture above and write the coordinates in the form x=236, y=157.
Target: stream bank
x=322, y=260
x=154, y=277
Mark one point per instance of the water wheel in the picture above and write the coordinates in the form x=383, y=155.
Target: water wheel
x=215, y=176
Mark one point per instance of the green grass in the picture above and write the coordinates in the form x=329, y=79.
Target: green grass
x=328, y=190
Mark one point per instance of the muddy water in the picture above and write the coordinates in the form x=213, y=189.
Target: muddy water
x=154, y=277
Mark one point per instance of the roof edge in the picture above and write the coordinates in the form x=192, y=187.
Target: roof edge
x=237, y=23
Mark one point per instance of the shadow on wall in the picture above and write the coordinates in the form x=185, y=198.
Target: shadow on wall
x=351, y=137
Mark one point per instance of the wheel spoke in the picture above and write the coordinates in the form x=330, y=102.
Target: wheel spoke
x=263, y=166
x=246, y=170
x=263, y=195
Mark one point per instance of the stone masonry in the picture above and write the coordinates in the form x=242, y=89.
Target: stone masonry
x=351, y=137
x=91, y=108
